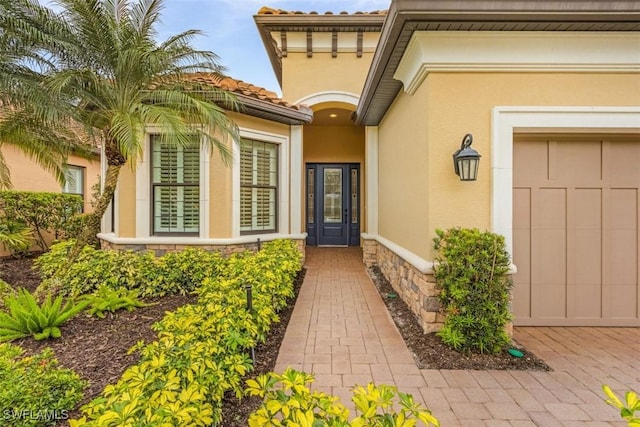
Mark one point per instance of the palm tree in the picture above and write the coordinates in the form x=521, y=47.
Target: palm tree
x=100, y=67
x=22, y=68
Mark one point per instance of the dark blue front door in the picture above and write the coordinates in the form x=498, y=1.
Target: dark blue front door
x=333, y=203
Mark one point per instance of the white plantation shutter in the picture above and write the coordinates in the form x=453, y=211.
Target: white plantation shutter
x=258, y=186
x=175, y=182
x=74, y=176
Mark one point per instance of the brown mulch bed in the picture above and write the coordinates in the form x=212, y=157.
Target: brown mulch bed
x=97, y=348
x=430, y=352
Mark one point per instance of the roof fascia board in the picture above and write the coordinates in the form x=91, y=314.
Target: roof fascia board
x=257, y=108
x=404, y=16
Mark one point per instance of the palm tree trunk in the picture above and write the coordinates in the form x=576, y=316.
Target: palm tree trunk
x=92, y=221
x=90, y=229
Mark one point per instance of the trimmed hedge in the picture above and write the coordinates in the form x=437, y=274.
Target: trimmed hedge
x=202, y=348
x=42, y=212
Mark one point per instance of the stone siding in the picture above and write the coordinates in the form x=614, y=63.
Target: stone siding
x=225, y=250
x=417, y=289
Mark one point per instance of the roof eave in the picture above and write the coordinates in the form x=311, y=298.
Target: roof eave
x=406, y=16
x=273, y=112
x=301, y=22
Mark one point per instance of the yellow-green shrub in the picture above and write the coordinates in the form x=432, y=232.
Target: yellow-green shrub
x=179, y=272
x=202, y=348
x=289, y=401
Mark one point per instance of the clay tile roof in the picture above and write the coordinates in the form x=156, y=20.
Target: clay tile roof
x=250, y=91
x=265, y=10
x=241, y=87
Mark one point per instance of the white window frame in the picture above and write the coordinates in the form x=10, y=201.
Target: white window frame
x=282, y=214
x=144, y=210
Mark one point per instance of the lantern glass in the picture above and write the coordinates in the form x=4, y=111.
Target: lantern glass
x=466, y=160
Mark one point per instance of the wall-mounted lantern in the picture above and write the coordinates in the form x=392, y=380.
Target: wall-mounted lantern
x=466, y=160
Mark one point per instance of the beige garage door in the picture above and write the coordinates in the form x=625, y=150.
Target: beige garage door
x=575, y=230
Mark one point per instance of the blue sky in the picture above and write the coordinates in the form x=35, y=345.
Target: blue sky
x=231, y=33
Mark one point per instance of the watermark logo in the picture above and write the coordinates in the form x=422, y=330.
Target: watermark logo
x=33, y=415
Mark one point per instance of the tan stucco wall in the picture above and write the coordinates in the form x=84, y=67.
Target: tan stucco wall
x=27, y=175
x=220, y=180
x=126, y=207
x=302, y=76
x=421, y=131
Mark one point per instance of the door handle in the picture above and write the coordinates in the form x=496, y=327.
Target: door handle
x=346, y=216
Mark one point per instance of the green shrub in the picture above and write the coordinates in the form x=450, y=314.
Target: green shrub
x=34, y=391
x=173, y=273
x=472, y=274
x=202, y=349
x=6, y=290
x=289, y=401
x=111, y=300
x=42, y=212
x=74, y=226
x=627, y=409
x=15, y=237
x=26, y=317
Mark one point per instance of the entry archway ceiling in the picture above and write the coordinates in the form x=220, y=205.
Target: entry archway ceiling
x=332, y=117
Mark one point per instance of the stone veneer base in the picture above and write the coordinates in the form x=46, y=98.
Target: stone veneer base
x=417, y=289
x=224, y=249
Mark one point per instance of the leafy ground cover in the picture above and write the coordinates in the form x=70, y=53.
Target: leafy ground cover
x=97, y=348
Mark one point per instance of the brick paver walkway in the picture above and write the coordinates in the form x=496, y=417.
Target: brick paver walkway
x=341, y=332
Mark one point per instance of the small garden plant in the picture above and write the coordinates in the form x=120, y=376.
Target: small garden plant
x=628, y=408
x=56, y=392
x=288, y=400
x=472, y=274
x=107, y=300
x=26, y=317
x=15, y=237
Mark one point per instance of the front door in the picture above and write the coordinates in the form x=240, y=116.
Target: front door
x=333, y=202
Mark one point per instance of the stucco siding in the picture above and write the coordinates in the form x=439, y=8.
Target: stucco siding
x=420, y=132
x=27, y=175
x=302, y=76
x=403, y=179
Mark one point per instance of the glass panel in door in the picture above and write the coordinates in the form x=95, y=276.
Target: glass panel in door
x=332, y=195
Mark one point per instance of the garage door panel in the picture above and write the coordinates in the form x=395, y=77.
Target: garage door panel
x=549, y=301
x=586, y=300
x=587, y=264
x=551, y=209
x=576, y=230
x=576, y=161
x=624, y=208
x=535, y=152
x=623, y=160
x=623, y=302
x=623, y=258
x=588, y=208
